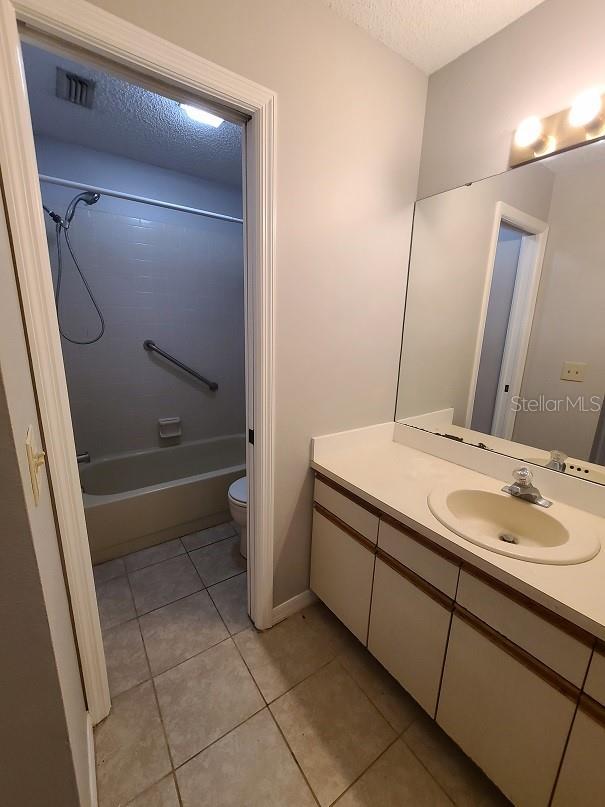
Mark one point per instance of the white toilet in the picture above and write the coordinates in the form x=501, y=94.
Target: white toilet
x=238, y=505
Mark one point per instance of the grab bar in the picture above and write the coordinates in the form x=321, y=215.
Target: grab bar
x=150, y=345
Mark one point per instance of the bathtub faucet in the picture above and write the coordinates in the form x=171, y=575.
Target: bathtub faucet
x=84, y=456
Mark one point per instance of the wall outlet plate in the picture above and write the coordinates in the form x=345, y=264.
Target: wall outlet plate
x=573, y=371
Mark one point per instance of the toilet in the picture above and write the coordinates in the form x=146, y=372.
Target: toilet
x=238, y=505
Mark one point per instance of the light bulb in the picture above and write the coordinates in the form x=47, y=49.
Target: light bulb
x=529, y=132
x=201, y=116
x=586, y=108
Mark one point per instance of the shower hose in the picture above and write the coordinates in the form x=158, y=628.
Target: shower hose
x=62, y=229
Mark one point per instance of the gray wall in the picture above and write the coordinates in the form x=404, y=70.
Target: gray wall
x=568, y=323
x=536, y=66
x=349, y=129
x=157, y=274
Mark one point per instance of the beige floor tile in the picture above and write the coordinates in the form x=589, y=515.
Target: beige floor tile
x=181, y=630
x=163, y=583
x=219, y=561
x=391, y=700
x=205, y=697
x=281, y=657
x=206, y=537
x=231, y=599
x=108, y=570
x=333, y=729
x=461, y=779
x=154, y=554
x=114, y=599
x=125, y=656
x=396, y=779
x=162, y=794
x=130, y=747
x=250, y=766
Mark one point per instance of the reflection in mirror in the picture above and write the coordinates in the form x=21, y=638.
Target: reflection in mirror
x=504, y=332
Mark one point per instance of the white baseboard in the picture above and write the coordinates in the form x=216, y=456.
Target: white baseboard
x=293, y=605
x=92, y=768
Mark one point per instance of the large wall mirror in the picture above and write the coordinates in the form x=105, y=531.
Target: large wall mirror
x=504, y=332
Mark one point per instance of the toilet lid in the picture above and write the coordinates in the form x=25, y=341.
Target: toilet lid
x=239, y=490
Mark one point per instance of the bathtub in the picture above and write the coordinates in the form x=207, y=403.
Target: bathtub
x=138, y=499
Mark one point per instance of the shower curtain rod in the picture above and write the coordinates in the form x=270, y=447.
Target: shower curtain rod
x=68, y=183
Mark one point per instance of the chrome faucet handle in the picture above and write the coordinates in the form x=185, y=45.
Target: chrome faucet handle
x=523, y=477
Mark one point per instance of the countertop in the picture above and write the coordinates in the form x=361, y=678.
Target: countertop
x=397, y=479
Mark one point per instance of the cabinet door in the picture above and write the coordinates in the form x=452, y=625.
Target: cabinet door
x=582, y=778
x=408, y=631
x=342, y=567
x=506, y=711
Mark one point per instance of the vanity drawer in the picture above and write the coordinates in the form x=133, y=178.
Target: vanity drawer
x=551, y=640
x=348, y=508
x=342, y=569
x=412, y=550
x=409, y=624
x=595, y=680
x=582, y=777
x=507, y=712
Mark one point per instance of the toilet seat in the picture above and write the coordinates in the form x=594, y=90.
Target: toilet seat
x=238, y=491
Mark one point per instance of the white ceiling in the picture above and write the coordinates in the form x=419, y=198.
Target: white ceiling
x=129, y=121
x=431, y=33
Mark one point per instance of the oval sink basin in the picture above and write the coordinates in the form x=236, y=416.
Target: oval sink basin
x=509, y=526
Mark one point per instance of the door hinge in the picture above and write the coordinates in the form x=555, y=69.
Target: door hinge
x=251, y=436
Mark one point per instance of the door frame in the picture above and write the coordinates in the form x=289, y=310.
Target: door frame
x=77, y=23
x=527, y=283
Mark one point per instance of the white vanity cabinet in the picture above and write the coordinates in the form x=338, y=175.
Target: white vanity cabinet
x=409, y=624
x=582, y=778
x=345, y=532
x=508, y=712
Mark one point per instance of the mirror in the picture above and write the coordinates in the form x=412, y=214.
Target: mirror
x=504, y=331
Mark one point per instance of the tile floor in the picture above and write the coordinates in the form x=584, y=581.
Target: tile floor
x=208, y=712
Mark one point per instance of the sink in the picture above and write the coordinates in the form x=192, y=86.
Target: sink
x=497, y=521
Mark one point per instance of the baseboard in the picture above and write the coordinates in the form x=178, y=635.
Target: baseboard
x=92, y=768
x=293, y=605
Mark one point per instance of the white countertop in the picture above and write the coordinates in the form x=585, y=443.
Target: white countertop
x=397, y=479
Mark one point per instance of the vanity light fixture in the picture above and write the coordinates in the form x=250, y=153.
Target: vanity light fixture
x=583, y=122
x=587, y=111
x=201, y=116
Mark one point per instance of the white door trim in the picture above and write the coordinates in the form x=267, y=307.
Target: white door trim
x=83, y=25
x=522, y=310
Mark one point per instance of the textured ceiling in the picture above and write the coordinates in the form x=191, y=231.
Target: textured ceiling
x=129, y=121
x=431, y=33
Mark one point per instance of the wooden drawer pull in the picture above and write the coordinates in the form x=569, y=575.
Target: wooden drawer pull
x=415, y=579
x=520, y=655
x=356, y=536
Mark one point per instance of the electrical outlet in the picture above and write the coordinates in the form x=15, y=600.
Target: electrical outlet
x=573, y=371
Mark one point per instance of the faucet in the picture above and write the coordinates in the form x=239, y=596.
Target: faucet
x=557, y=461
x=523, y=488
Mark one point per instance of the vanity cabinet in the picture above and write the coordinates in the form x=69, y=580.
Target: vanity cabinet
x=409, y=625
x=342, y=557
x=501, y=674
x=508, y=713
x=595, y=680
x=582, y=777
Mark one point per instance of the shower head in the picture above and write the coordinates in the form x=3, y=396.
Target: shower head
x=88, y=197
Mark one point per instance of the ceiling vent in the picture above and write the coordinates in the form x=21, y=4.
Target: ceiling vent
x=75, y=89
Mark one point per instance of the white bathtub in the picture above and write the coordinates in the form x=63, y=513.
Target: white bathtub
x=139, y=499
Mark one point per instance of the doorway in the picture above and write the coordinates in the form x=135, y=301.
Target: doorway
x=191, y=79
x=512, y=281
